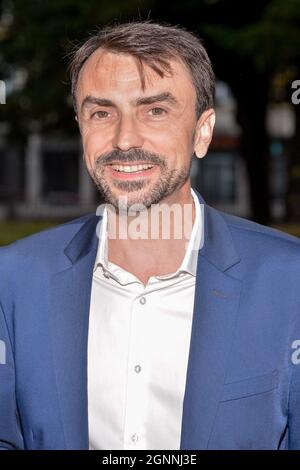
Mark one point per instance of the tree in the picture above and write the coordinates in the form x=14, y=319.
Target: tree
x=269, y=45
x=35, y=41
x=278, y=40
x=248, y=43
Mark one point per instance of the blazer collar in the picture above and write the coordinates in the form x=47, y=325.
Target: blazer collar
x=85, y=240
x=218, y=247
x=216, y=307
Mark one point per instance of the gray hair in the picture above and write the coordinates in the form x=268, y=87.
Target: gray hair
x=153, y=44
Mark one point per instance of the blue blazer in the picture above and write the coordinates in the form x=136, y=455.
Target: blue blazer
x=243, y=378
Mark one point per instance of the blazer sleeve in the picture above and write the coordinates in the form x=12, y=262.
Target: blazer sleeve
x=10, y=432
x=294, y=394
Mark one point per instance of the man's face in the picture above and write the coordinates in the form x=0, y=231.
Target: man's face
x=137, y=143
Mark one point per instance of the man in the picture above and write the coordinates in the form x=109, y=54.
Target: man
x=135, y=340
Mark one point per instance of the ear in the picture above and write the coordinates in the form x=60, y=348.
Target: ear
x=204, y=132
x=78, y=123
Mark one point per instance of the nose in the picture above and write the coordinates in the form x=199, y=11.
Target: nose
x=127, y=134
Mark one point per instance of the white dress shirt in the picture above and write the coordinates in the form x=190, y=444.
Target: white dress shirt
x=138, y=347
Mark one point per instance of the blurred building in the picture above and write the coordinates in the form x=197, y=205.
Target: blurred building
x=48, y=179
x=222, y=177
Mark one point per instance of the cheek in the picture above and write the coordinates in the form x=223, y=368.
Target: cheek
x=173, y=140
x=94, y=144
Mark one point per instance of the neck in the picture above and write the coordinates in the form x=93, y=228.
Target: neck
x=153, y=241
x=170, y=219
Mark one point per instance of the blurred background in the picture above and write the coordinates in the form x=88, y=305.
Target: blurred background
x=253, y=166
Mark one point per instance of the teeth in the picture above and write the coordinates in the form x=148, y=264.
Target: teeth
x=131, y=168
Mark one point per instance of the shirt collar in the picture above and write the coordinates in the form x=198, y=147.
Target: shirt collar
x=189, y=262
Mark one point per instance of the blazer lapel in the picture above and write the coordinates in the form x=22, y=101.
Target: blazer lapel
x=215, y=310
x=70, y=302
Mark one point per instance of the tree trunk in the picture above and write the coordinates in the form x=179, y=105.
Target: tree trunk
x=252, y=99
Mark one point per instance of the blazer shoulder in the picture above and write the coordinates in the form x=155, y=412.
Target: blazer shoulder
x=259, y=244
x=246, y=227
x=46, y=244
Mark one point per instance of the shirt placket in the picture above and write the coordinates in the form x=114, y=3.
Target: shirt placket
x=137, y=372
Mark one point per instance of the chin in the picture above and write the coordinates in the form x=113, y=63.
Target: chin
x=124, y=201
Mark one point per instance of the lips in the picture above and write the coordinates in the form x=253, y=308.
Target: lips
x=131, y=171
x=131, y=168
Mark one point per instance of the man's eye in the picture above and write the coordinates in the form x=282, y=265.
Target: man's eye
x=100, y=114
x=157, y=111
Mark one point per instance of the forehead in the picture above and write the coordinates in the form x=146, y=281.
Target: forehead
x=108, y=72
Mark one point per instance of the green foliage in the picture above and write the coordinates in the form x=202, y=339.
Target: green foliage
x=37, y=41
x=270, y=41
x=11, y=231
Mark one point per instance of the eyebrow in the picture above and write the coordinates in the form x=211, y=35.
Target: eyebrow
x=166, y=96
x=161, y=97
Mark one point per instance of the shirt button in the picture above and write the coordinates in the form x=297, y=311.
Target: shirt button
x=137, y=369
x=106, y=274
x=134, y=438
x=142, y=300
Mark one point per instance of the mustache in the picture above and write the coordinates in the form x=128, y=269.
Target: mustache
x=134, y=155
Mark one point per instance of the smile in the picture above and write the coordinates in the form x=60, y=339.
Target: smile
x=131, y=168
x=132, y=172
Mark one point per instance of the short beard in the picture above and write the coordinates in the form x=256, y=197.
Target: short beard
x=169, y=181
